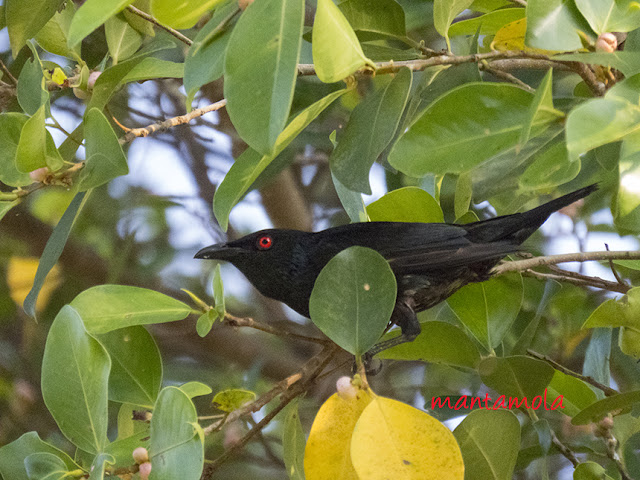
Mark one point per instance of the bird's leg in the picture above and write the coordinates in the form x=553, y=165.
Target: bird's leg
x=403, y=316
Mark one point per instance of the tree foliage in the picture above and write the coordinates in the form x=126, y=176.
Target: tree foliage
x=445, y=110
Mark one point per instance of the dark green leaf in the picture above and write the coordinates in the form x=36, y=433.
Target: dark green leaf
x=444, y=11
x=353, y=298
x=351, y=202
x=52, y=251
x=10, y=128
x=30, y=90
x=75, y=374
x=25, y=19
x=232, y=399
x=53, y=36
x=261, y=69
x=596, y=359
x=371, y=127
x=489, y=24
x=45, y=466
x=384, y=17
x=136, y=366
x=105, y=158
x=251, y=164
x=555, y=25
x=438, y=342
x=489, y=441
x=517, y=377
x=551, y=167
x=108, y=307
x=123, y=41
x=541, y=104
x=596, y=411
x=12, y=456
x=91, y=15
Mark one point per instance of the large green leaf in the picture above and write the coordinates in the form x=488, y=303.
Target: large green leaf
x=136, y=366
x=554, y=25
x=45, y=466
x=596, y=411
x=576, y=395
x=91, y=15
x=181, y=14
x=31, y=153
x=489, y=441
x=251, y=164
x=12, y=456
x=438, y=342
x=123, y=40
x=336, y=50
x=261, y=69
x=153, y=68
x=53, y=36
x=551, y=167
x=384, y=17
x=489, y=24
x=30, y=90
x=628, y=62
x=519, y=378
x=407, y=204
x=10, y=128
x=488, y=309
x=108, y=307
x=53, y=250
x=176, y=446
x=371, y=127
x=610, y=15
x=75, y=375
x=105, y=158
x=25, y=19
x=353, y=298
x=204, y=61
x=444, y=11
x=485, y=119
x=541, y=105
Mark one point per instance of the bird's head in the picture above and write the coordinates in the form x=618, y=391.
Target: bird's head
x=270, y=259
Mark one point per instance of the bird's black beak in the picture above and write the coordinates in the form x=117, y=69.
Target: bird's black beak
x=219, y=251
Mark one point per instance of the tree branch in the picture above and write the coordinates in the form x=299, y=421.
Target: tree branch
x=522, y=265
x=263, y=327
x=151, y=19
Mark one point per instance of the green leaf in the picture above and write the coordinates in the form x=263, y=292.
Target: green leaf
x=153, y=68
x=371, y=127
x=627, y=62
x=293, y=442
x=261, y=68
x=489, y=441
x=336, y=50
x=6, y=206
x=590, y=471
x=485, y=118
x=99, y=466
x=45, y=466
x=407, y=204
x=353, y=298
x=218, y=293
x=36, y=148
x=204, y=61
x=251, y=164
x=123, y=41
x=136, y=366
x=464, y=193
x=52, y=251
x=438, y=342
x=195, y=389
x=176, y=447
x=610, y=15
x=623, y=312
x=489, y=24
x=542, y=103
x=517, y=377
x=205, y=322
x=181, y=14
x=351, y=201
x=385, y=17
x=598, y=410
x=626, y=214
x=232, y=399
x=12, y=456
x=550, y=168
x=91, y=15
x=75, y=374
x=596, y=358
x=105, y=158
x=11, y=125
x=576, y=394
x=555, y=25
x=444, y=11
x=25, y=19
x=54, y=35
x=30, y=90
x=488, y=309
x=104, y=308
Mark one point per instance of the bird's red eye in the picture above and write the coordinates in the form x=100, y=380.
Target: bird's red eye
x=264, y=243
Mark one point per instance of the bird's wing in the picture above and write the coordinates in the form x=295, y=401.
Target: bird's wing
x=444, y=256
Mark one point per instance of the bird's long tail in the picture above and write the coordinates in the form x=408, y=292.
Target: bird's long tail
x=519, y=226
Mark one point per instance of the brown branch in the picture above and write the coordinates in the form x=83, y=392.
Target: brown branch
x=151, y=19
x=506, y=76
x=171, y=122
x=263, y=327
x=608, y=391
x=522, y=265
x=8, y=73
x=564, y=450
x=612, y=444
x=613, y=269
x=578, y=280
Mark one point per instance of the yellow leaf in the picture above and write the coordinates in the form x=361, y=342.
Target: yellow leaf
x=326, y=456
x=58, y=76
x=20, y=274
x=511, y=37
x=393, y=440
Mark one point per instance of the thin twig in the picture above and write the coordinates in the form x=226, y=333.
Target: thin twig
x=522, y=265
x=263, y=327
x=171, y=122
x=566, y=451
x=608, y=391
x=613, y=269
x=612, y=445
x=151, y=19
x=8, y=73
x=506, y=76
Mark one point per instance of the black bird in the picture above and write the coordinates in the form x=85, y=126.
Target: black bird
x=430, y=260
